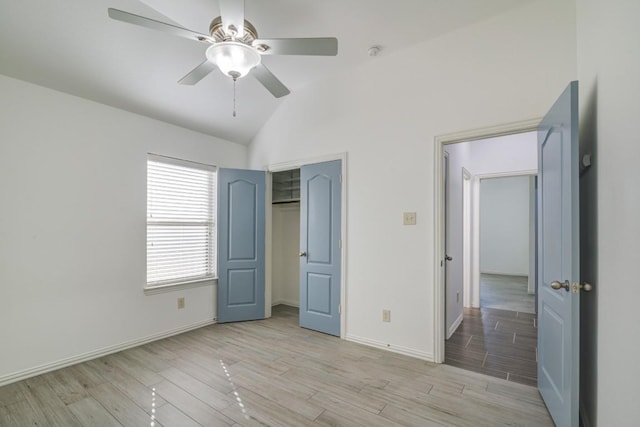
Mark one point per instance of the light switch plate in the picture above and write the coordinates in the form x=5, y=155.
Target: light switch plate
x=409, y=218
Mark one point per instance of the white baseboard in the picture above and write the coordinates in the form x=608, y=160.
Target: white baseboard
x=286, y=302
x=390, y=347
x=48, y=367
x=454, y=326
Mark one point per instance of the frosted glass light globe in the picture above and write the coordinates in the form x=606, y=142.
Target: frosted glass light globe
x=233, y=59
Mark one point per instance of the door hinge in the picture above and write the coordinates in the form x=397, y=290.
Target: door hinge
x=339, y=308
x=340, y=244
x=341, y=178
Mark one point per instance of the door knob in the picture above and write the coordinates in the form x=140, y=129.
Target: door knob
x=587, y=287
x=448, y=258
x=302, y=254
x=557, y=285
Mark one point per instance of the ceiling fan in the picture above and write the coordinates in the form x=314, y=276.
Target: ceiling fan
x=235, y=48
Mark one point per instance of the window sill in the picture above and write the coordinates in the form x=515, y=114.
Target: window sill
x=152, y=290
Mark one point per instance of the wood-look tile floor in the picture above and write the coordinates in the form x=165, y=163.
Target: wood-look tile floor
x=500, y=343
x=266, y=373
x=506, y=293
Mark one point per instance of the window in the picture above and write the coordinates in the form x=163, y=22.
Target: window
x=181, y=238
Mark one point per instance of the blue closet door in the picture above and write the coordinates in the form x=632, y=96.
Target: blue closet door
x=241, y=259
x=320, y=258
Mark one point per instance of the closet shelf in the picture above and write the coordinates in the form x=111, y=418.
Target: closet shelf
x=286, y=181
x=286, y=186
x=285, y=201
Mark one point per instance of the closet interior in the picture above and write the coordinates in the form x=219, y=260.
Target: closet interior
x=285, y=276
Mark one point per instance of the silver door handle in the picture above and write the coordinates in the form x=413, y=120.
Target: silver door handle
x=587, y=287
x=557, y=285
x=448, y=258
x=302, y=254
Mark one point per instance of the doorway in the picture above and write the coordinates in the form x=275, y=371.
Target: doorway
x=494, y=341
x=507, y=242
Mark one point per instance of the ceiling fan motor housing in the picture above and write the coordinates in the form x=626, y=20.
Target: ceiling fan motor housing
x=221, y=35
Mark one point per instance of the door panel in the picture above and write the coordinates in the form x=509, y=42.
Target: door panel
x=319, y=217
x=319, y=293
x=558, y=227
x=320, y=228
x=241, y=222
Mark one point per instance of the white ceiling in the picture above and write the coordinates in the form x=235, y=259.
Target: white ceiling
x=72, y=46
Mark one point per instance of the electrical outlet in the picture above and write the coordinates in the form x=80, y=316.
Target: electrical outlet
x=409, y=218
x=386, y=315
x=181, y=302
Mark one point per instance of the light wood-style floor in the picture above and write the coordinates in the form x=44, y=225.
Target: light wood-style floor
x=266, y=373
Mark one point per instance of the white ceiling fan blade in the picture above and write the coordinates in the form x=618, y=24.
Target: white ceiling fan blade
x=232, y=14
x=269, y=81
x=327, y=46
x=131, y=18
x=198, y=73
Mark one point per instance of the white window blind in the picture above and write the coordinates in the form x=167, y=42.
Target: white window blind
x=181, y=240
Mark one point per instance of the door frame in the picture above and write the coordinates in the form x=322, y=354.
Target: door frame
x=294, y=164
x=468, y=227
x=441, y=141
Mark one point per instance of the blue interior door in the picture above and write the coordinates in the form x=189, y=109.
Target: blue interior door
x=559, y=270
x=241, y=221
x=320, y=258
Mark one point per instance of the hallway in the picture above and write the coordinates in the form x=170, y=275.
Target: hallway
x=500, y=338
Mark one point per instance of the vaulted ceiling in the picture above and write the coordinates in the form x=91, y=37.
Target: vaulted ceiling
x=72, y=46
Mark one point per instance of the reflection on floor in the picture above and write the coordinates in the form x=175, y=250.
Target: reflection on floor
x=506, y=293
x=495, y=342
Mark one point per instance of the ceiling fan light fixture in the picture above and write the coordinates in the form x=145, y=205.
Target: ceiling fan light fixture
x=234, y=59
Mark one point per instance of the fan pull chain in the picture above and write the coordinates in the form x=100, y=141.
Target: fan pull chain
x=234, y=97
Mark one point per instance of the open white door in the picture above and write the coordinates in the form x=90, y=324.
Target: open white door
x=559, y=269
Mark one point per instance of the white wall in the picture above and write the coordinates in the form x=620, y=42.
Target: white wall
x=499, y=155
x=72, y=226
x=386, y=114
x=504, y=226
x=609, y=66
x=285, y=245
x=504, y=154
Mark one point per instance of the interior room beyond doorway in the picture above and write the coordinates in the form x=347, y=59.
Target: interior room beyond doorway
x=507, y=243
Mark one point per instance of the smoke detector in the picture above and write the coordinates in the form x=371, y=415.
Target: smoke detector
x=374, y=50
